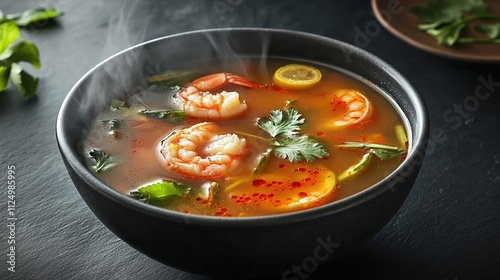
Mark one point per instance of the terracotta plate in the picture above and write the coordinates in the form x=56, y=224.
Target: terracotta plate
x=395, y=16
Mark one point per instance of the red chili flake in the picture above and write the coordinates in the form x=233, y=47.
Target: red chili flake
x=232, y=197
x=296, y=185
x=320, y=134
x=281, y=165
x=263, y=196
x=271, y=195
x=255, y=194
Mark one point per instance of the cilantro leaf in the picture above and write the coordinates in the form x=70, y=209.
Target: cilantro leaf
x=283, y=126
x=102, y=161
x=444, y=20
x=159, y=193
x=284, y=123
x=448, y=34
x=445, y=11
x=297, y=148
x=492, y=31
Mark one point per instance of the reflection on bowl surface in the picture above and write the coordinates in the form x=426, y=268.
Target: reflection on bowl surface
x=246, y=243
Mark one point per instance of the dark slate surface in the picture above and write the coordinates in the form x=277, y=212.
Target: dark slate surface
x=447, y=229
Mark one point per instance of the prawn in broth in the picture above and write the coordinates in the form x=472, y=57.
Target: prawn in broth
x=248, y=144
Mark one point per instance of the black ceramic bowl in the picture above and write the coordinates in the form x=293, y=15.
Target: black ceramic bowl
x=239, y=247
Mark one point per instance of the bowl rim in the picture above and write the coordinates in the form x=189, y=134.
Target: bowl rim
x=418, y=144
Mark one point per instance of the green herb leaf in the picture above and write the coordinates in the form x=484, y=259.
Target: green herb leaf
x=22, y=51
x=447, y=34
x=24, y=82
x=262, y=161
x=102, y=161
x=443, y=19
x=167, y=87
x=4, y=77
x=297, y=148
x=159, y=193
x=283, y=126
x=163, y=114
x=492, y=31
x=116, y=104
x=445, y=11
x=384, y=154
x=357, y=168
x=34, y=15
x=9, y=32
x=282, y=123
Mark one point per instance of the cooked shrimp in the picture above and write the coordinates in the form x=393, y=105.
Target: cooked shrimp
x=358, y=107
x=197, y=101
x=199, y=152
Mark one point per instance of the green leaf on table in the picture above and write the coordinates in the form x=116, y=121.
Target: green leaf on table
x=4, y=77
x=448, y=34
x=9, y=32
x=34, y=15
x=24, y=82
x=445, y=11
x=159, y=193
x=492, y=31
x=102, y=161
x=284, y=123
x=445, y=20
x=297, y=148
x=22, y=51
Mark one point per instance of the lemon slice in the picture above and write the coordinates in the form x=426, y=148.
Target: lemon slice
x=290, y=188
x=296, y=76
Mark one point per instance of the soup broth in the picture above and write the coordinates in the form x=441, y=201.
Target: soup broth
x=133, y=144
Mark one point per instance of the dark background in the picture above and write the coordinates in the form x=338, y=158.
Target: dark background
x=448, y=227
